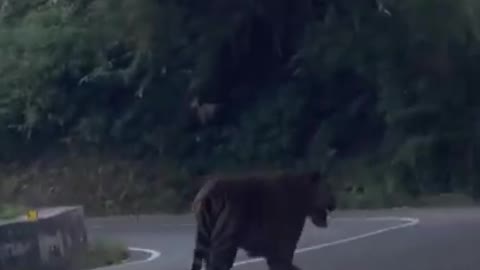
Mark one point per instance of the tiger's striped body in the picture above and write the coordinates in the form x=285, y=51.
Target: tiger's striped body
x=264, y=215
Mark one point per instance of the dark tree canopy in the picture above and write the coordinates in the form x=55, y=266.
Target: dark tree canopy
x=389, y=86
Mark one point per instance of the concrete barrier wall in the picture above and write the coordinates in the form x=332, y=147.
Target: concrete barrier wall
x=56, y=241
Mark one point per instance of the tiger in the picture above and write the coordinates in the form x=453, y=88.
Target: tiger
x=263, y=215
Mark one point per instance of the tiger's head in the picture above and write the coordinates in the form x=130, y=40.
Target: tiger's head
x=322, y=200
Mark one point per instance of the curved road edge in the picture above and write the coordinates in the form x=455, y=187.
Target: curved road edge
x=152, y=255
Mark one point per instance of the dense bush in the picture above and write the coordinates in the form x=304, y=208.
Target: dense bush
x=389, y=87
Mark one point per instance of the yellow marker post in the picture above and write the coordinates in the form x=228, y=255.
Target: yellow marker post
x=32, y=215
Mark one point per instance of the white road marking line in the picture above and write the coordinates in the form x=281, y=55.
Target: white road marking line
x=410, y=222
x=153, y=255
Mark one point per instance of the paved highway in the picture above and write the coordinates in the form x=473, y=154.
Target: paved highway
x=402, y=239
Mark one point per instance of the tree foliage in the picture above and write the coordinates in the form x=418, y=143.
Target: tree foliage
x=228, y=85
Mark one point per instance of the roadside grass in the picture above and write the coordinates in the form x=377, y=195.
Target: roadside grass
x=103, y=253
x=446, y=200
x=361, y=185
x=9, y=211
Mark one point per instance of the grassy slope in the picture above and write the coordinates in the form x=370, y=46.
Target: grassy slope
x=8, y=211
x=103, y=254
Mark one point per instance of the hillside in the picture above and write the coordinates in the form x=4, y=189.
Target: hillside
x=121, y=104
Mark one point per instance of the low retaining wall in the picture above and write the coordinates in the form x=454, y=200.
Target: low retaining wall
x=53, y=242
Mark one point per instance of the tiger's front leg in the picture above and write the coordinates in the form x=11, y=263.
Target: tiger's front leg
x=282, y=259
x=281, y=265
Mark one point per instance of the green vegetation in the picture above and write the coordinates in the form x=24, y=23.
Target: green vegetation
x=120, y=104
x=11, y=211
x=102, y=254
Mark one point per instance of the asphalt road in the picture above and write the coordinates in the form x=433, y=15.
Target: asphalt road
x=403, y=239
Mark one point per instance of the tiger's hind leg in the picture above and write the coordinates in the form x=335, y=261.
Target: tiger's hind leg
x=224, y=241
x=201, y=250
x=199, y=256
x=205, y=218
